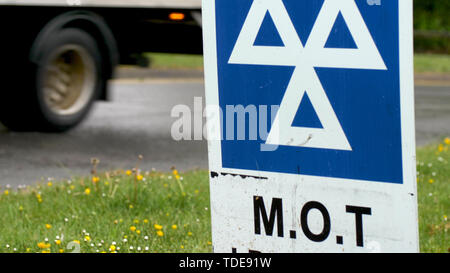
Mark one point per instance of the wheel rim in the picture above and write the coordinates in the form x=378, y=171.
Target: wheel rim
x=69, y=80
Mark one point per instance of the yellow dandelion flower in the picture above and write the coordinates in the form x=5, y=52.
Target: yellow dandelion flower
x=431, y=181
x=158, y=227
x=43, y=245
x=440, y=148
x=136, y=221
x=6, y=192
x=72, y=187
x=160, y=233
x=58, y=242
x=130, y=206
x=182, y=246
x=87, y=238
x=20, y=208
x=61, y=250
x=50, y=184
x=128, y=172
x=209, y=243
x=133, y=228
x=76, y=242
x=95, y=179
x=145, y=221
x=175, y=172
x=112, y=248
x=177, y=177
x=174, y=227
x=447, y=140
x=139, y=177
x=87, y=191
x=138, y=232
x=189, y=233
x=48, y=226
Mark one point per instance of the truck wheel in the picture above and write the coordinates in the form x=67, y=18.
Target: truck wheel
x=68, y=79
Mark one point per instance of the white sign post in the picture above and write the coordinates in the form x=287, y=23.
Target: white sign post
x=311, y=125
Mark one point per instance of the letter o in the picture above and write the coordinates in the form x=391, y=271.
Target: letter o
x=322, y=236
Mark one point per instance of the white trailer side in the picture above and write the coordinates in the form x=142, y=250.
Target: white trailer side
x=185, y=4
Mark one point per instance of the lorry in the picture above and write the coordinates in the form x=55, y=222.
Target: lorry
x=58, y=55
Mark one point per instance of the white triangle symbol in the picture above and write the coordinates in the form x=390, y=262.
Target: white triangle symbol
x=305, y=57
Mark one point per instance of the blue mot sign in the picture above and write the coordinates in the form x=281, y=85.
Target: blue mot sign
x=316, y=102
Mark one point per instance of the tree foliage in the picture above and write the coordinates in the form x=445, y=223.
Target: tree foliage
x=432, y=15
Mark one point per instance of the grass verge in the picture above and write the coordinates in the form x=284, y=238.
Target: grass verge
x=174, y=61
x=431, y=63
x=115, y=212
x=423, y=63
x=122, y=211
x=433, y=176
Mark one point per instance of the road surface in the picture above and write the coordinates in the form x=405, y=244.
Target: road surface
x=138, y=121
x=432, y=113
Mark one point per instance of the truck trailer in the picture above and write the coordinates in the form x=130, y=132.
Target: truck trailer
x=57, y=55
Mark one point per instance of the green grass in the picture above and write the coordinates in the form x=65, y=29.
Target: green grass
x=174, y=61
x=433, y=197
x=108, y=212
x=114, y=205
x=423, y=63
x=431, y=63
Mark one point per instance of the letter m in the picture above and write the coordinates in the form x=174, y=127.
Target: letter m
x=276, y=212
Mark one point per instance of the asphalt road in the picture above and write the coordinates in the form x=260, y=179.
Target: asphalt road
x=432, y=113
x=138, y=121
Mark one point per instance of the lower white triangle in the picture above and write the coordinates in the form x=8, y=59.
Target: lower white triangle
x=331, y=136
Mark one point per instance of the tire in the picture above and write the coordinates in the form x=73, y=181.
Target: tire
x=67, y=80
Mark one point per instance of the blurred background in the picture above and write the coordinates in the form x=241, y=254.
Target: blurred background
x=432, y=26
